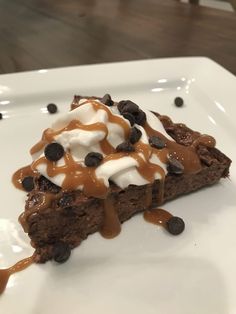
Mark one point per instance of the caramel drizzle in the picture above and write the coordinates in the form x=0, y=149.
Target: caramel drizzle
x=157, y=216
x=185, y=154
x=76, y=174
x=204, y=139
x=20, y=174
x=6, y=273
x=111, y=226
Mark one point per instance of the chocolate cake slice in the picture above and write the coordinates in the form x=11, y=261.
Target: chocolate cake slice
x=102, y=163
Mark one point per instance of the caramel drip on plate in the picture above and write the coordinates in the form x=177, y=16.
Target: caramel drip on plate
x=6, y=273
x=20, y=174
x=157, y=216
x=111, y=224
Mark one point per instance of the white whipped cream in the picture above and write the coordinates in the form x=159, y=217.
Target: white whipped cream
x=123, y=171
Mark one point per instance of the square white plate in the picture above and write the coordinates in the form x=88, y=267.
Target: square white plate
x=144, y=270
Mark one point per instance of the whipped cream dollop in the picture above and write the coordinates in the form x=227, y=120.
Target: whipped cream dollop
x=78, y=142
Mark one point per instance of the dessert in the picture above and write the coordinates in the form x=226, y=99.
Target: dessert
x=103, y=162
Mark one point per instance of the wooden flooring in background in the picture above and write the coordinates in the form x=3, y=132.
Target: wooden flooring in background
x=38, y=34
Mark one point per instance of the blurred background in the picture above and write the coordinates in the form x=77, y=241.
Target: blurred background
x=38, y=34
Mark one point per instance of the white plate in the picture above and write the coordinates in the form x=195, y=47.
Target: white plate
x=144, y=270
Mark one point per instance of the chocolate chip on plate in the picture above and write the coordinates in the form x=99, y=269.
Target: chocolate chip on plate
x=61, y=252
x=52, y=108
x=140, y=117
x=156, y=142
x=54, y=151
x=93, y=159
x=135, y=135
x=28, y=183
x=125, y=147
x=174, y=166
x=129, y=117
x=179, y=101
x=175, y=225
x=106, y=99
x=1, y=116
x=127, y=106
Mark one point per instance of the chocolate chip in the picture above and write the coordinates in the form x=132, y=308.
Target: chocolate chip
x=121, y=105
x=61, y=252
x=28, y=183
x=129, y=117
x=175, y=225
x=179, y=102
x=127, y=106
x=156, y=142
x=106, y=99
x=52, y=108
x=93, y=159
x=174, y=166
x=135, y=135
x=1, y=116
x=140, y=117
x=54, y=151
x=125, y=147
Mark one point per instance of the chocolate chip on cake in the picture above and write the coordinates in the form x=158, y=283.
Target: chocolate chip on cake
x=140, y=117
x=174, y=166
x=125, y=147
x=54, y=151
x=28, y=183
x=135, y=135
x=156, y=142
x=106, y=99
x=127, y=106
x=129, y=117
x=61, y=252
x=175, y=225
x=52, y=108
x=93, y=159
x=1, y=116
x=179, y=101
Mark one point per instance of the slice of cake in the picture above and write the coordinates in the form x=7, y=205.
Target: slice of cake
x=103, y=162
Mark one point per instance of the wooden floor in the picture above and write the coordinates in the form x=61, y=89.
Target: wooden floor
x=38, y=34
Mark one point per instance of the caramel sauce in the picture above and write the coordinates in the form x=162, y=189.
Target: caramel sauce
x=20, y=174
x=185, y=154
x=76, y=174
x=6, y=273
x=49, y=134
x=106, y=147
x=157, y=216
x=206, y=140
x=112, y=118
x=111, y=224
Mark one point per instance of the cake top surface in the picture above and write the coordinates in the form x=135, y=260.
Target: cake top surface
x=100, y=141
